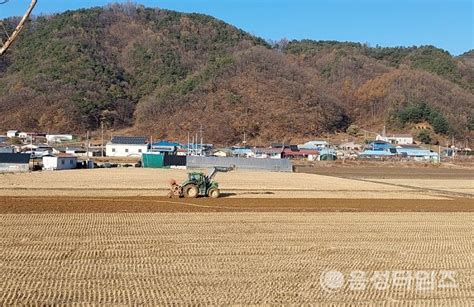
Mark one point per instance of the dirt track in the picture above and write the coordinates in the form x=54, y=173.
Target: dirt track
x=163, y=204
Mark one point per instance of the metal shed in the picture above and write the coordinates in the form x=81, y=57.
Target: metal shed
x=14, y=162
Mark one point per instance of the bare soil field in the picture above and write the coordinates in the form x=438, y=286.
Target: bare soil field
x=109, y=236
x=238, y=184
x=232, y=258
x=385, y=172
x=15, y=205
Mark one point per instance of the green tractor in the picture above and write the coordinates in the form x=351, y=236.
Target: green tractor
x=198, y=184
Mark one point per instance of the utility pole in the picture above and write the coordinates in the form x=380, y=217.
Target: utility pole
x=439, y=153
x=202, y=154
x=87, y=147
x=454, y=147
x=102, y=137
x=187, y=153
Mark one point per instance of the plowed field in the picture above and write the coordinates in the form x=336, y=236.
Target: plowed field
x=109, y=237
x=239, y=258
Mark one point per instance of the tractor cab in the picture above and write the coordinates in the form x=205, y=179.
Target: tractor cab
x=196, y=177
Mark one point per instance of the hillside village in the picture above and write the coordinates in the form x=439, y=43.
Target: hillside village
x=25, y=151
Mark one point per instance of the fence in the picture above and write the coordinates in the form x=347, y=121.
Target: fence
x=276, y=165
x=13, y=168
x=154, y=160
x=174, y=160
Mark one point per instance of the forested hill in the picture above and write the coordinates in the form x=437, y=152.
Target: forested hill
x=165, y=73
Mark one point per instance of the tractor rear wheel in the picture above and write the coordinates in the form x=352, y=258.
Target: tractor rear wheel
x=214, y=193
x=191, y=191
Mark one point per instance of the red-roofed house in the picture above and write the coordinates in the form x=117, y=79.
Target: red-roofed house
x=309, y=154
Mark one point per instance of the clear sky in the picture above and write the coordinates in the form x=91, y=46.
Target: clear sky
x=447, y=24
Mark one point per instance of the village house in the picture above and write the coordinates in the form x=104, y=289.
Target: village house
x=126, y=146
x=396, y=139
x=58, y=138
x=350, y=146
x=314, y=145
x=417, y=153
x=266, y=153
x=79, y=151
x=222, y=153
x=12, y=133
x=295, y=153
x=39, y=150
x=243, y=151
x=165, y=147
x=59, y=162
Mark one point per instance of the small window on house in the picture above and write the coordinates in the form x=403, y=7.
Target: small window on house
x=62, y=162
x=113, y=149
x=139, y=150
x=70, y=162
x=126, y=149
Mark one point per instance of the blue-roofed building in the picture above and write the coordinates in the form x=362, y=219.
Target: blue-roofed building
x=418, y=154
x=379, y=146
x=368, y=153
x=241, y=151
x=327, y=151
x=165, y=147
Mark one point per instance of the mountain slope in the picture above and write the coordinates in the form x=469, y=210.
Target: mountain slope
x=166, y=73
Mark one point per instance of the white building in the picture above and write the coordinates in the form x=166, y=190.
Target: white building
x=24, y=135
x=314, y=145
x=222, y=153
x=350, y=146
x=126, y=146
x=265, y=153
x=37, y=150
x=12, y=133
x=58, y=138
x=59, y=162
x=396, y=139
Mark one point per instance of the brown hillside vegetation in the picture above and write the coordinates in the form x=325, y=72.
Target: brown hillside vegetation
x=164, y=73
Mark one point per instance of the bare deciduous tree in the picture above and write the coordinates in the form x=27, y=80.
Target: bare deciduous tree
x=11, y=38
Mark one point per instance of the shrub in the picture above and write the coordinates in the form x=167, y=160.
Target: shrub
x=424, y=136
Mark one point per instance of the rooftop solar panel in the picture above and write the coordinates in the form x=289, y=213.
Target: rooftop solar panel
x=135, y=140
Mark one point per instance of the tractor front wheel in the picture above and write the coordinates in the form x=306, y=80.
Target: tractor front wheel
x=214, y=193
x=191, y=191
